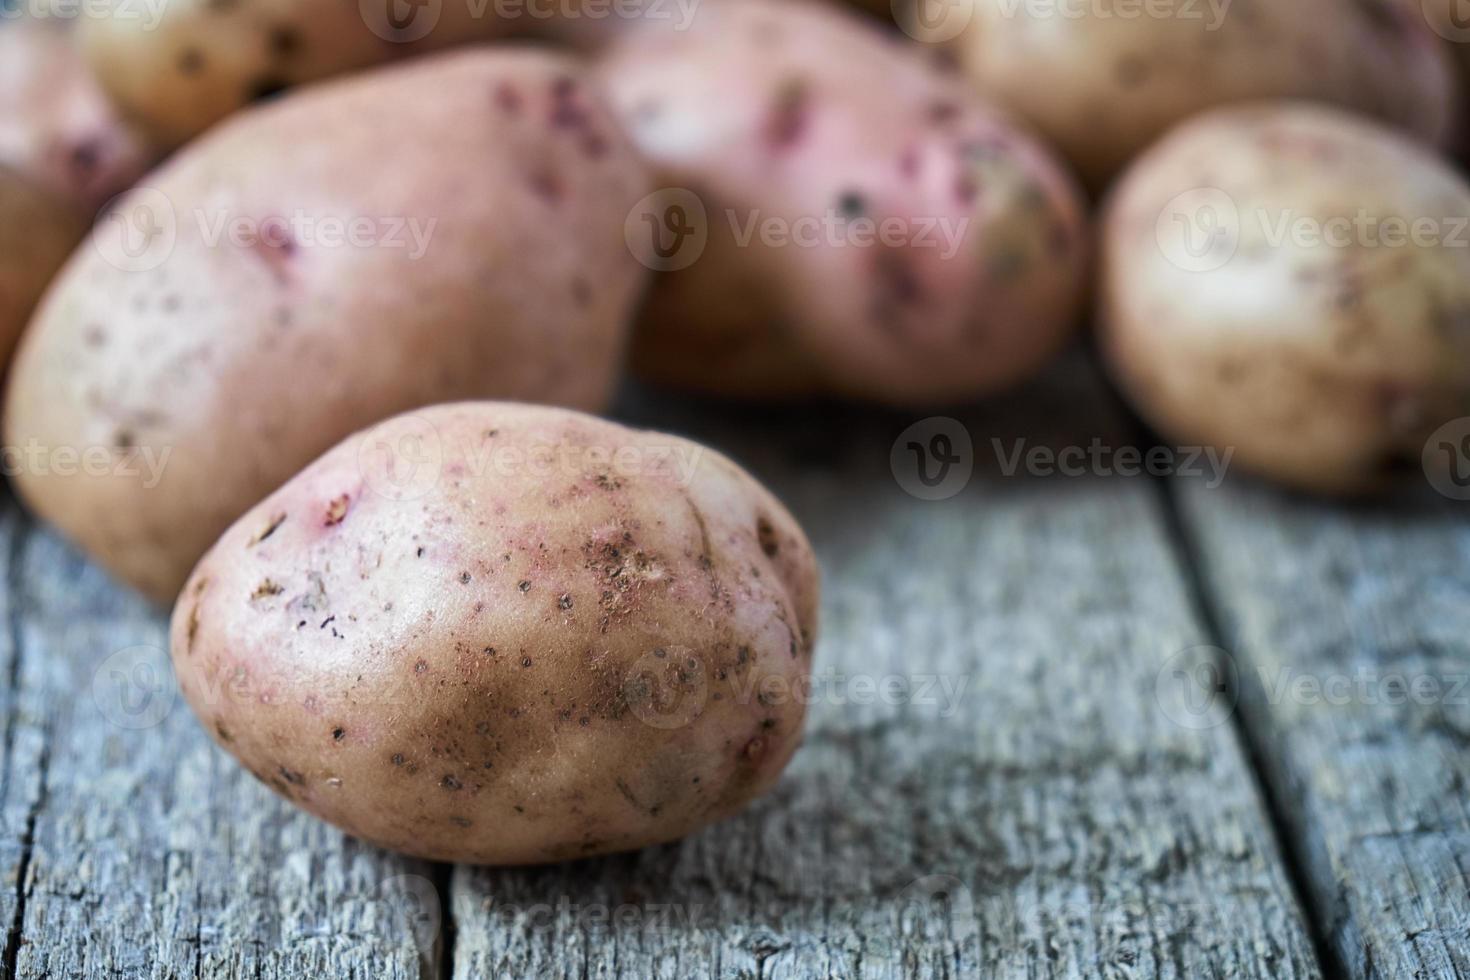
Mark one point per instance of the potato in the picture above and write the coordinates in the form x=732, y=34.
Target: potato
x=63, y=151
x=443, y=230
x=190, y=63
x=1293, y=283
x=561, y=638
x=57, y=129
x=1118, y=73
x=868, y=226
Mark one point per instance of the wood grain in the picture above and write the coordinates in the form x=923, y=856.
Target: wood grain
x=131, y=845
x=1350, y=627
x=1053, y=821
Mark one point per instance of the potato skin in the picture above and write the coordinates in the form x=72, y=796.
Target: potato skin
x=244, y=354
x=1114, y=83
x=1325, y=362
x=508, y=664
x=812, y=117
x=57, y=128
x=203, y=60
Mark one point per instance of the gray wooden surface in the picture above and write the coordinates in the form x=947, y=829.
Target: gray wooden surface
x=1053, y=796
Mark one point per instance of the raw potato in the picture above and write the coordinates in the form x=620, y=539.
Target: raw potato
x=565, y=638
x=63, y=151
x=57, y=128
x=444, y=230
x=1294, y=283
x=1113, y=77
x=924, y=250
x=197, y=61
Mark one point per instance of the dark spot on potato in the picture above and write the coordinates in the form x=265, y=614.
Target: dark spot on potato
x=943, y=112
x=525, y=585
x=754, y=749
x=420, y=666
x=594, y=146
x=192, y=630
x=266, y=88
x=85, y=157
x=419, y=553
x=765, y=533
x=191, y=61
x=489, y=651
x=460, y=822
x=966, y=188
x=338, y=733
x=909, y=163
x=223, y=732
x=508, y=98
x=336, y=510
x=123, y=439
x=291, y=776
x=267, y=587
x=547, y=186
x=397, y=758
x=464, y=578
x=450, y=783
x=789, y=116
x=1131, y=70
x=564, y=602
x=270, y=528
x=852, y=205
x=581, y=292
x=525, y=661
x=284, y=41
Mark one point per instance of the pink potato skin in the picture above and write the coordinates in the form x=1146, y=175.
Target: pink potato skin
x=799, y=114
x=57, y=127
x=508, y=665
x=244, y=354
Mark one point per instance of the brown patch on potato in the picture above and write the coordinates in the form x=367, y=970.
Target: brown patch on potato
x=336, y=510
x=266, y=588
x=765, y=533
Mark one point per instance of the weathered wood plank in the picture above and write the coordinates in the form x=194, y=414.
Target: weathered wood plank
x=1056, y=822
x=1350, y=628
x=147, y=852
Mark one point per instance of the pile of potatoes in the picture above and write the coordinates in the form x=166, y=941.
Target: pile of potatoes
x=333, y=363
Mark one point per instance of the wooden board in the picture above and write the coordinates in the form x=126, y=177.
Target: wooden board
x=1350, y=627
x=1057, y=822
x=134, y=848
